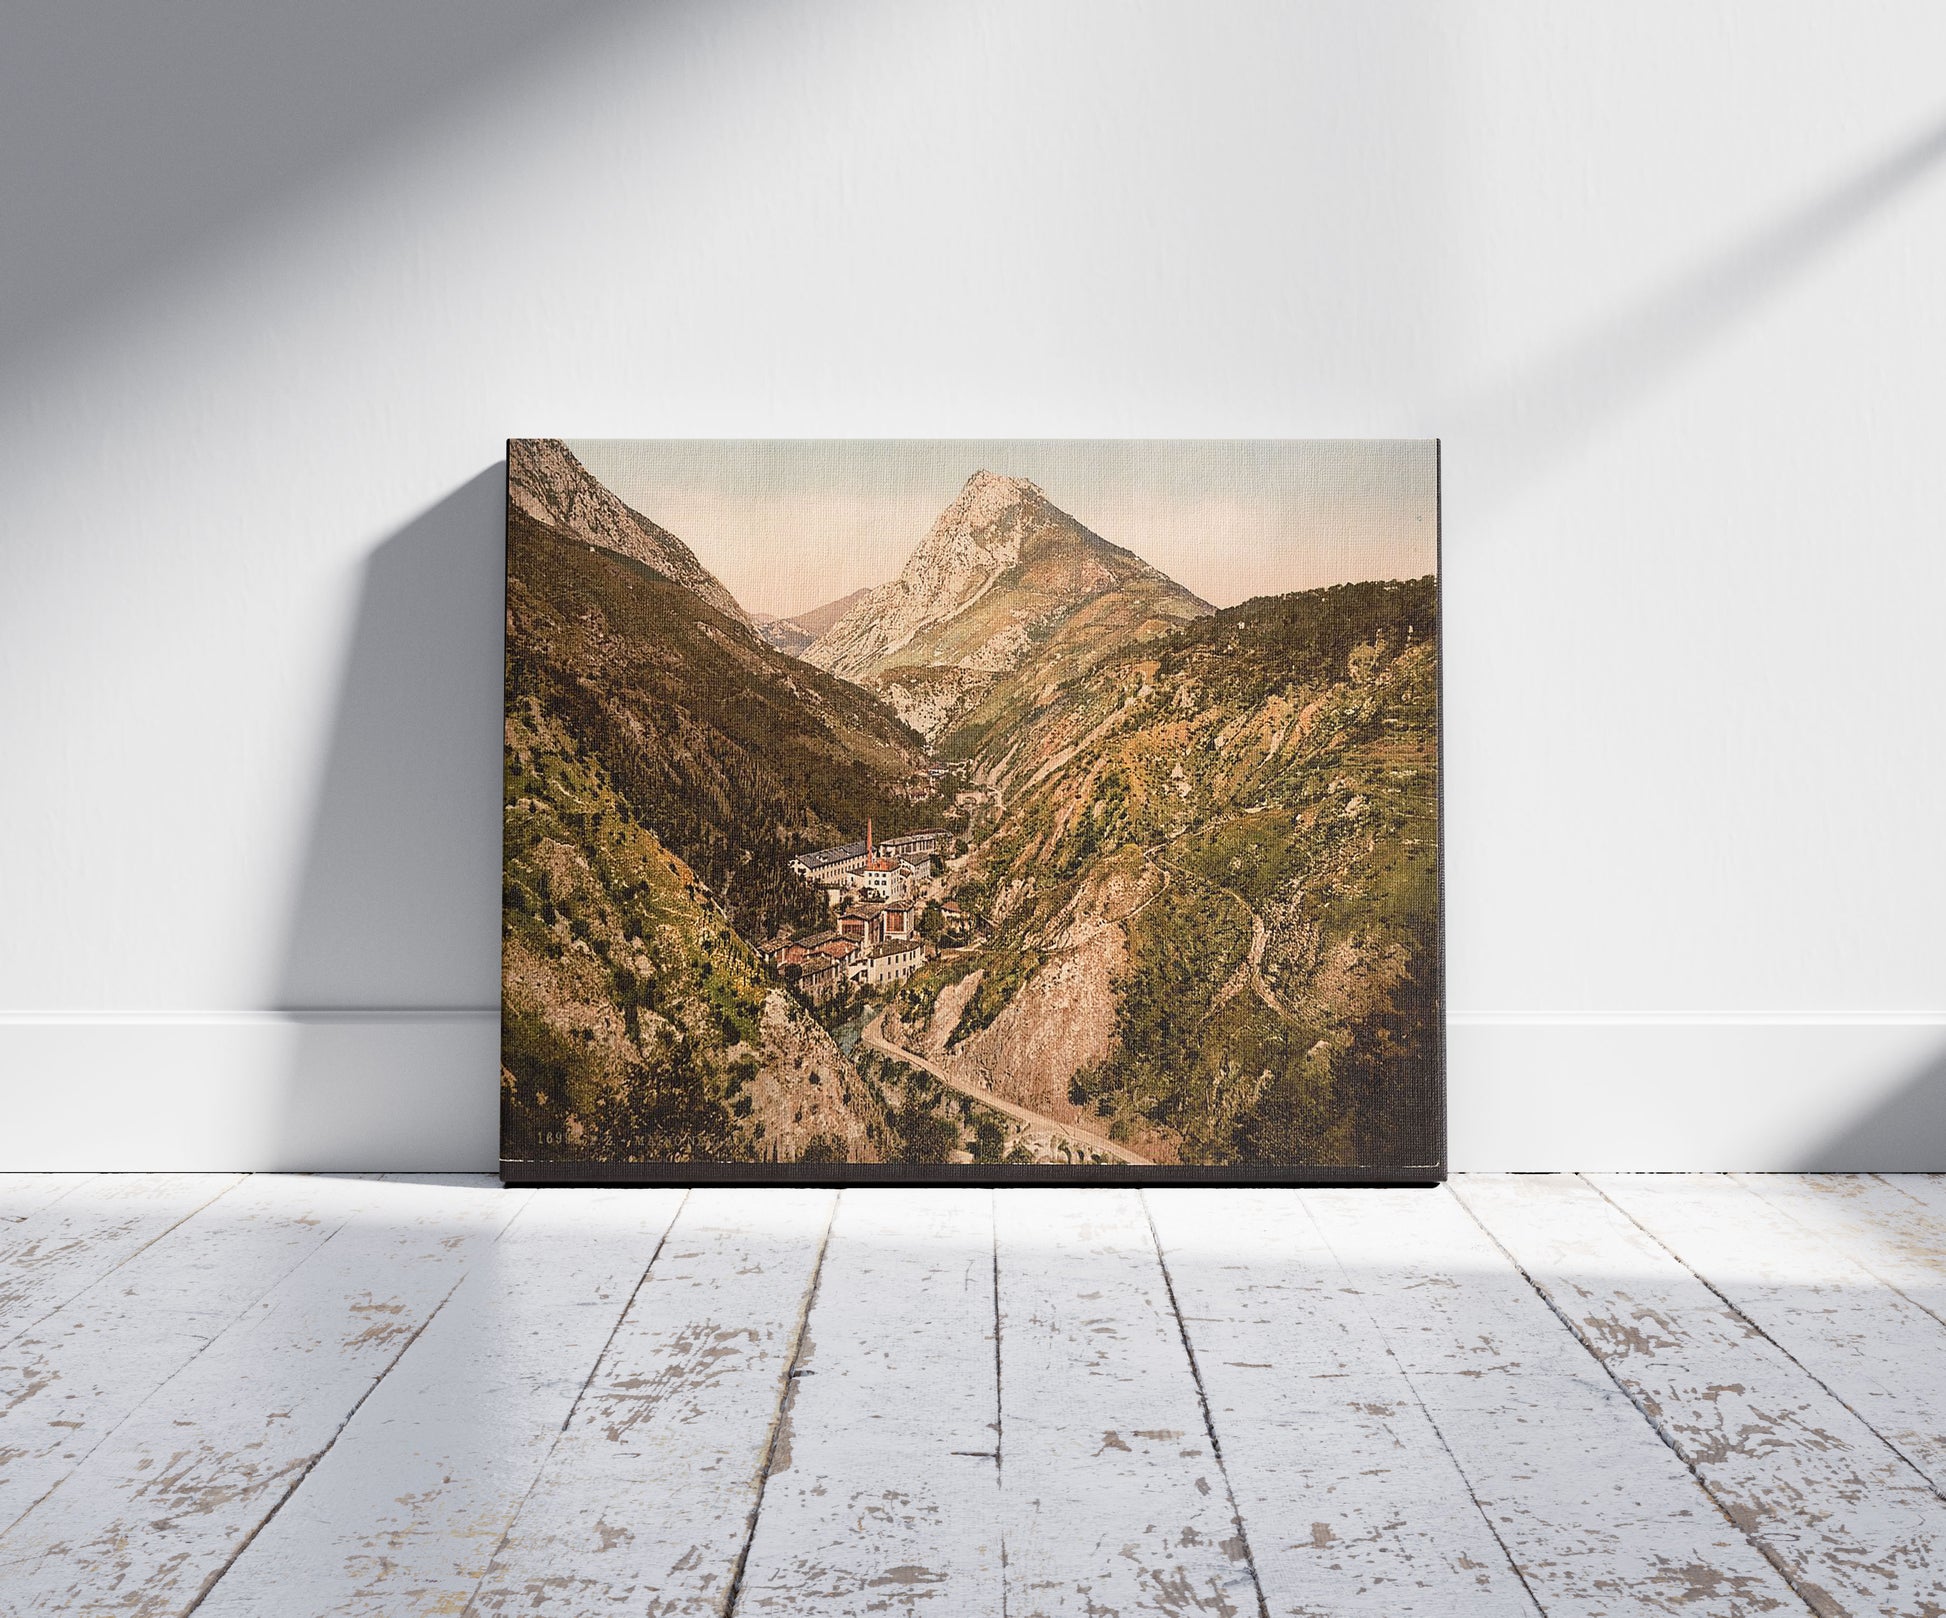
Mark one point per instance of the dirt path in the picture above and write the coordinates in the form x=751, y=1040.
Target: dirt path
x=1259, y=936
x=1168, y=878
x=872, y=1035
x=1252, y=968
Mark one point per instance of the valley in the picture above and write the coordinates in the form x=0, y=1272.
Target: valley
x=1178, y=895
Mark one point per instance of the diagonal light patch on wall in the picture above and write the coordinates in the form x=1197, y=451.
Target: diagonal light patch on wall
x=1518, y=428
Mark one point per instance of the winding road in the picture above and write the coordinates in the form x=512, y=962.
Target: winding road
x=1251, y=968
x=873, y=1035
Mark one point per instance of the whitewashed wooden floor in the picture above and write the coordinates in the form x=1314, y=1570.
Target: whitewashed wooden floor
x=1566, y=1395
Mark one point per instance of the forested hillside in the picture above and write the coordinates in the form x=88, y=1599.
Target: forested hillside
x=738, y=755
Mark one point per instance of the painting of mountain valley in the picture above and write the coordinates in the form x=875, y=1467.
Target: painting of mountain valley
x=978, y=811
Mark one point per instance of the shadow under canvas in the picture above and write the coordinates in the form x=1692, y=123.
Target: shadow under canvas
x=1904, y=1131
x=390, y=974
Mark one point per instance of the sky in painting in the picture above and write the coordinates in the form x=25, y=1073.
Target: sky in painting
x=788, y=524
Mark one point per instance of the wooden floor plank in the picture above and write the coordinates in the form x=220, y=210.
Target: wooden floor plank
x=1350, y=1500
x=403, y=1514
x=1929, y=1189
x=645, y=1503
x=1853, y=1525
x=884, y=1493
x=63, y=1247
x=155, y=1513
x=326, y=1396
x=1893, y=1224
x=1597, y=1513
x=71, y=1379
x=1113, y=1499
x=1878, y=1352
x=22, y=1194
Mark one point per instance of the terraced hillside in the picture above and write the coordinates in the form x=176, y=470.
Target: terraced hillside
x=1209, y=890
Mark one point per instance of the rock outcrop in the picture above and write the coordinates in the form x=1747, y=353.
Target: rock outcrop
x=806, y=1096
x=548, y=483
x=975, y=540
x=1003, y=580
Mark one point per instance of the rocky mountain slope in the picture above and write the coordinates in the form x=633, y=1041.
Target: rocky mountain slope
x=1002, y=581
x=546, y=482
x=781, y=633
x=636, y=1026
x=737, y=756
x=795, y=634
x=1209, y=891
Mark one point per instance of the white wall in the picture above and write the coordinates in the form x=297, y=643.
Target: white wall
x=279, y=281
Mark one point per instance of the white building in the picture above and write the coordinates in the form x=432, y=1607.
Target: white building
x=882, y=877
x=894, y=962
x=911, y=843
x=891, y=869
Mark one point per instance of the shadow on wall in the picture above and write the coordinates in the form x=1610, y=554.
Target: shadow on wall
x=391, y=962
x=1518, y=431
x=1905, y=1133
x=205, y=115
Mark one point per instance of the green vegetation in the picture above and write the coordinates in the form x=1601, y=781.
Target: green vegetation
x=1007, y=972
x=1242, y=805
x=739, y=756
x=925, y=1122
x=1183, y=950
x=1096, y=828
x=637, y=1026
x=1275, y=764
x=1255, y=855
x=1271, y=643
x=612, y=1044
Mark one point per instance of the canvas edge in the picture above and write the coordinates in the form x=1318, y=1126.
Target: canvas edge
x=553, y=1173
x=852, y=1175
x=1441, y=1078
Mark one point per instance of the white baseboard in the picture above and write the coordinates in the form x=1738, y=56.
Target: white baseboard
x=418, y=1090
x=1837, y=1091
x=251, y=1090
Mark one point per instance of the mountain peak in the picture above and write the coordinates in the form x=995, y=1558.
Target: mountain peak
x=998, y=571
x=1001, y=483
x=985, y=497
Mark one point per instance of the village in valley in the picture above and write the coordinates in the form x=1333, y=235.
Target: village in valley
x=886, y=915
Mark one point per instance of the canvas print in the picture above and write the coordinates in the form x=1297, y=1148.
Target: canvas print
x=972, y=810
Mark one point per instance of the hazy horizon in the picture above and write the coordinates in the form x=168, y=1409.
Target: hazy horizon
x=790, y=524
